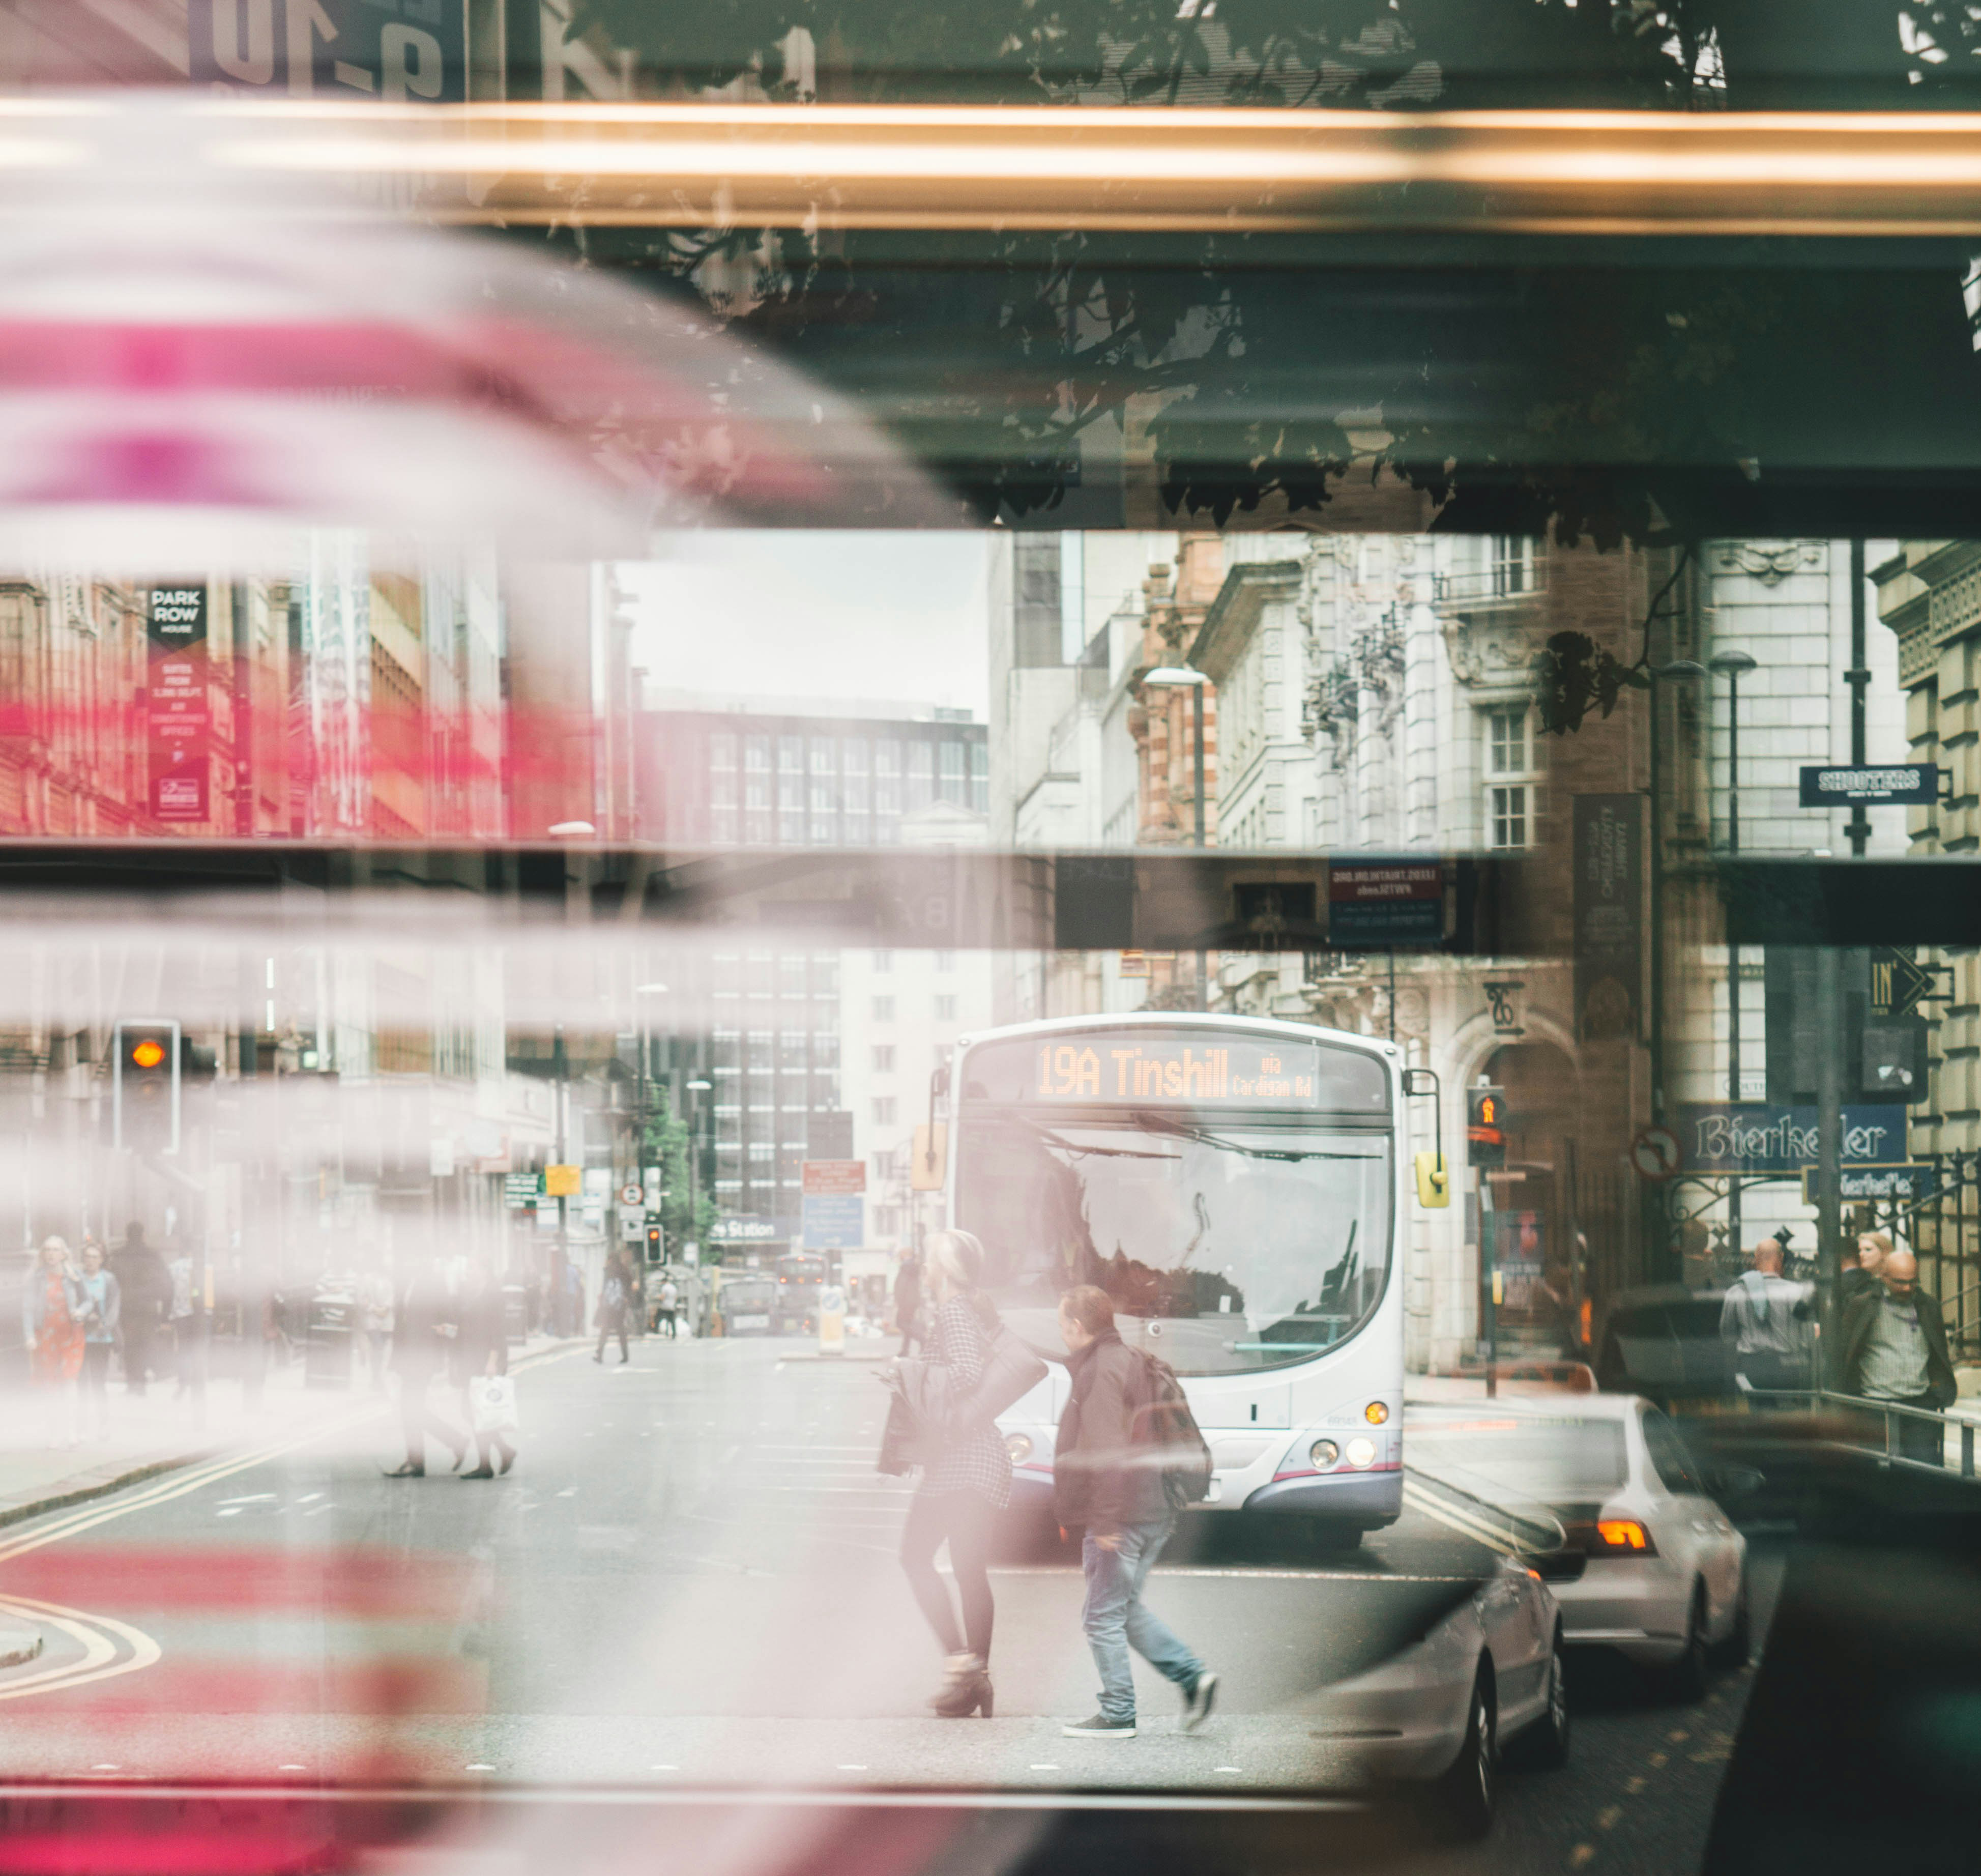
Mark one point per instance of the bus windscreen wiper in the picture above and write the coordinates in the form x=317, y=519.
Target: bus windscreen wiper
x=1201, y=1136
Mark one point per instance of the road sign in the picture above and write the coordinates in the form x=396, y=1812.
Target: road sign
x=834, y=1221
x=1655, y=1153
x=823, y=1176
x=630, y=1194
x=1900, y=1183
x=520, y=1189
x=1400, y=904
x=563, y=1181
x=1916, y=784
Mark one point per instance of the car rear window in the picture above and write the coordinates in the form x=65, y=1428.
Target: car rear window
x=1558, y=1460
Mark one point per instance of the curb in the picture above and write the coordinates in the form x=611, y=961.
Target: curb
x=79, y=1488
x=19, y=1643
x=85, y=1486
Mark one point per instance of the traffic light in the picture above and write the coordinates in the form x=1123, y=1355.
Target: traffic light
x=1485, y=1127
x=654, y=1252
x=144, y=1101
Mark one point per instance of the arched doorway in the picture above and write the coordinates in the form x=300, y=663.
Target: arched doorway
x=1534, y=1222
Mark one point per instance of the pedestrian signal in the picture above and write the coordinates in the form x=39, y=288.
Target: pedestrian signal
x=1485, y=1127
x=145, y=1095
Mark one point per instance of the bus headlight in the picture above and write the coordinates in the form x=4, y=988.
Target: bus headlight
x=1361, y=1452
x=1324, y=1453
x=1019, y=1446
x=1376, y=1413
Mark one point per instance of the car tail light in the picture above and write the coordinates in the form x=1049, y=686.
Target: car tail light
x=1621, y=1537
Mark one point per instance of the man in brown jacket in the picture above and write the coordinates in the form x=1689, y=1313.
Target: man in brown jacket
x=1107, y=1481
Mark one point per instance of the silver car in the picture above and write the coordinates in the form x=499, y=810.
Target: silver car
x=1644, y=1560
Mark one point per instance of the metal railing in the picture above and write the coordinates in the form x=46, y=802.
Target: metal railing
x=1892, y=1413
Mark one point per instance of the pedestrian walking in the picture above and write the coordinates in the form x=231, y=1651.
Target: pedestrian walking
x=1894, y=1343
x=1765, y=1317
x=53, y=1338
x=145, y=1287
x=1107, y=1481
x=615, y=1298
x=667, y=1307
x=374, y=1320
x=426, y=1326
x=966, y=1480
x=907, y=1298
x=481, y=1351
x=96, y=1307
x=186, y=1320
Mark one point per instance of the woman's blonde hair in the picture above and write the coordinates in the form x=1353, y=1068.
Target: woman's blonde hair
x=955, y=1259
x=57, y=1244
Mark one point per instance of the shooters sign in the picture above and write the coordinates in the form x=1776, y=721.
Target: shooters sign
x=177, y=718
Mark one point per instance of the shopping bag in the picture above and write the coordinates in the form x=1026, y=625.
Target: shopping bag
x=491, y=1404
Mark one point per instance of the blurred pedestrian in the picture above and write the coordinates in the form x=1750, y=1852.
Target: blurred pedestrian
x=907, y=1299
x=615, y=1299
x=966, y=1480
x=1103, y=1480
x=96, y=1307
x=145, y=1287
x=54, y=1338
x=1765, y=1316
x=1894, y=1349
x=187, y=1319
x=1861, y=1277
x=481, y=1351
x=426, y=1326
x=374, y=1320
x=667, y=1307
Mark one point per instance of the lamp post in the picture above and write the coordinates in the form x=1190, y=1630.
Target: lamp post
x=1683, y=670
x=695, y=1088
x=1197, y=682
x=646, y=1050
x=1732, y=666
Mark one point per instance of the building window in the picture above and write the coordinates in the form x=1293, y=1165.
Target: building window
x=945, y=962
x=945, y=1009
x=884, y=961
x=1507, y=737
x=952, y=760
x=980, y=777
x=722, y=750
x=756, y=754
x=1512, y=560
x=884, y=1110
x=883, y=1058
x=884, y=1009
x=921, y=775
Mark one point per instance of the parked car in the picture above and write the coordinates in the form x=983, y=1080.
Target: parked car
x=1647, y=1563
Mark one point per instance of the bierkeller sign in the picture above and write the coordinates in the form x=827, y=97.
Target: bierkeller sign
x=178, y=720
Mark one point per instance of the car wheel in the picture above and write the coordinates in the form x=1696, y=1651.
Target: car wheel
x=1738, y=1649
x=1544, y=1744
x=1469, y=1793
x=1685, y=1679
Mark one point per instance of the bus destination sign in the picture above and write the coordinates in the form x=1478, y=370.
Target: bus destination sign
x=1158, y=1070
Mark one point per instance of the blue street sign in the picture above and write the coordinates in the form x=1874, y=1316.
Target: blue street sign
x=1720, y=1137
x=834, y=1221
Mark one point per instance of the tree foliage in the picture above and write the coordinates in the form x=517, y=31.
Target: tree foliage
x=665, y=1142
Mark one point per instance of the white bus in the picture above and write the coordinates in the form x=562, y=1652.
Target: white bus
x=1236, y=1186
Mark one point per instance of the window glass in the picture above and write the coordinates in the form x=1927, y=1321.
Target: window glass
x=1669, y=1458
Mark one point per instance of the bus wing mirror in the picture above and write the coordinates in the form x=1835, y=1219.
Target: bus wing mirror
x=930, y=1170
x=1433, y=1182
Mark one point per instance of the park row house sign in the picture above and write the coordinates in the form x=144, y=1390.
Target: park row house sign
x=1752, y=1138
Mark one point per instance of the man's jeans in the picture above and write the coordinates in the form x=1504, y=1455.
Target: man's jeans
x=1116, y=1619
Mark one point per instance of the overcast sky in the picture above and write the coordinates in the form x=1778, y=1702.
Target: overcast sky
x=848, y=615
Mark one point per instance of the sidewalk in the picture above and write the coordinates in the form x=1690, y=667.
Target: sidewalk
x=155, y=1433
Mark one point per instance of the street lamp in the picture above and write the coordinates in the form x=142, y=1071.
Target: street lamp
x=1181, y=675
x=1732, y=666
x=646, y=1050
x=698, y=1086
x=1684, y=669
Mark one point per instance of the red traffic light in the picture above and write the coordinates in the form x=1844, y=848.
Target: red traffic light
x=147, y=1054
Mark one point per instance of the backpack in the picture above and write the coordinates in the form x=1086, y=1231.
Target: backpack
x=1162, y=1419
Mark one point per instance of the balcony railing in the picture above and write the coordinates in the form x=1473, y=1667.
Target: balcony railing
x=1497, y=582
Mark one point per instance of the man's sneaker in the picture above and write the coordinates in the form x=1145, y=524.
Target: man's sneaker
x=1100, y=1727
x=1197, y=1699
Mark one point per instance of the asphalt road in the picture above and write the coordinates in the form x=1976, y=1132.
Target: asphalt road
x=689, y=1582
